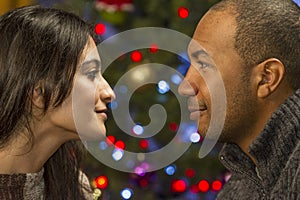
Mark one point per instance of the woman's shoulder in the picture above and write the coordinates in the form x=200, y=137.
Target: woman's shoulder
x=22, y=186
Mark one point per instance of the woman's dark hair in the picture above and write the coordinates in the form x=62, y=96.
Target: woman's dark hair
x=41, y=45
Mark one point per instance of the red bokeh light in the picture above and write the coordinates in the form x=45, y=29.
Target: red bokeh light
x=183, y=12
x=173, y=126
x=190, y=173
x=120, y=144
x=216, y=185
x=178, y=186
x=194, y=188
x=203, y=186
x=136, y=56
x=144, y=144
x=110, y=140
x=101, y=182
x=153, y=48
x=143, y=183
x=100, y=29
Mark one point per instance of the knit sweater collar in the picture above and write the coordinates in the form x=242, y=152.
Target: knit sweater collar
x=22, y=186
x=272, y=147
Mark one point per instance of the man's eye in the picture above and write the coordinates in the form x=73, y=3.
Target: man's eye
x=92, y=74
x=203, y=65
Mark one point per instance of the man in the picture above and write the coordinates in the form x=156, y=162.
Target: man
x=255, y=46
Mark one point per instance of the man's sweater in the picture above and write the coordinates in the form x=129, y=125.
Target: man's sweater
x=277, y=152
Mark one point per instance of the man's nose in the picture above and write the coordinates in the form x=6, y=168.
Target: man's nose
x=185, y=88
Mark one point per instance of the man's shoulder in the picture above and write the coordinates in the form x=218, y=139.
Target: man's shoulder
x=238, y=187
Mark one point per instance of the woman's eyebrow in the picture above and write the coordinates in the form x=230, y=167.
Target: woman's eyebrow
x=95, y=62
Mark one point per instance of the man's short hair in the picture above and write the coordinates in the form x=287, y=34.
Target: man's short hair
x=267, y=29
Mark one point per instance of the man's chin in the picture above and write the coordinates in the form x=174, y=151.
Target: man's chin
x=202, y=131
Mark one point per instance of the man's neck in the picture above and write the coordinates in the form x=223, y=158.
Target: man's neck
x=266, y=111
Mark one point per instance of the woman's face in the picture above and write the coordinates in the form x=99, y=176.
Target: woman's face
x=84, y=111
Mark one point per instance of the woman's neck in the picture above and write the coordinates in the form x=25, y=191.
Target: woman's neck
x=22, y=156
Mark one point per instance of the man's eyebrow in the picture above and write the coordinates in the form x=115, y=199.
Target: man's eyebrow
x=196, y=54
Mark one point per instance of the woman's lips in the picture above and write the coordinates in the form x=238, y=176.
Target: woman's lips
x=101, y=113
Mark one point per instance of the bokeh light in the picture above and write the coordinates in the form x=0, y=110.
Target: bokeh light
x=113, y=105
x=195, y=137
x=100, y=29
x=144, y=144
x=163, y=87
x=123, y=89
x=176, y=79
x=216, y=185
x=136, y=56
x=153, y=48
x=178, y=186
x=170, y=170
x=183, y=12
x=101, y=182
x=117, y=154
x=138, y=129
x=203, y=186
x=173, y=126
x=110, y=140
x=143, y=183
x=139, y=170
x=103, y=145
x=194, y=188
x=126, y=193
x=190, y=173
x=120, y=144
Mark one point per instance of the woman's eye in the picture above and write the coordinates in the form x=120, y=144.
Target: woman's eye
x=92, y=74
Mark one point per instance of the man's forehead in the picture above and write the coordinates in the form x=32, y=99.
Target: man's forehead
x=195, y=48
x=215, y=30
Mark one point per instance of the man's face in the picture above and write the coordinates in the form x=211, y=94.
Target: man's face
x=215, y=52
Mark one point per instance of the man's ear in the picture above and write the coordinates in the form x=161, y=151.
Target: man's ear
x=38, y=96
x=268, y=75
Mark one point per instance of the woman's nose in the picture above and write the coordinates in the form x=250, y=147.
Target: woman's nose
x=106, y=93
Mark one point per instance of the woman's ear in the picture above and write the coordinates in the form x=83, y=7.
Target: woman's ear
x=268, y=75
x=38, y=96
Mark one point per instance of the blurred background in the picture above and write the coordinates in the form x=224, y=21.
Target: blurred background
x=187, y=178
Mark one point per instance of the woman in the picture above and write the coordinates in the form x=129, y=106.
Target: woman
x=41, y=54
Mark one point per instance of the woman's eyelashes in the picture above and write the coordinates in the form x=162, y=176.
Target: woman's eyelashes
x=93, y=74
x=91, y=69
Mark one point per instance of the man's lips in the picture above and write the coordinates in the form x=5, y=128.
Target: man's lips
x=193, y=109
x=195, y=112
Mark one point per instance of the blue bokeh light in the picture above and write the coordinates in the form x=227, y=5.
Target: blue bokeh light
x=103, y=145
x=163, y=87
x=126, y=193
x=195, y=137
x=170, y=170
x=176, y=79
x=138, y=129
x=117, y=154
x=113, y=105
x=123, y=89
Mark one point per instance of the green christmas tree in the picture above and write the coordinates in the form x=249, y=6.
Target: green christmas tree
x=188, y=177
